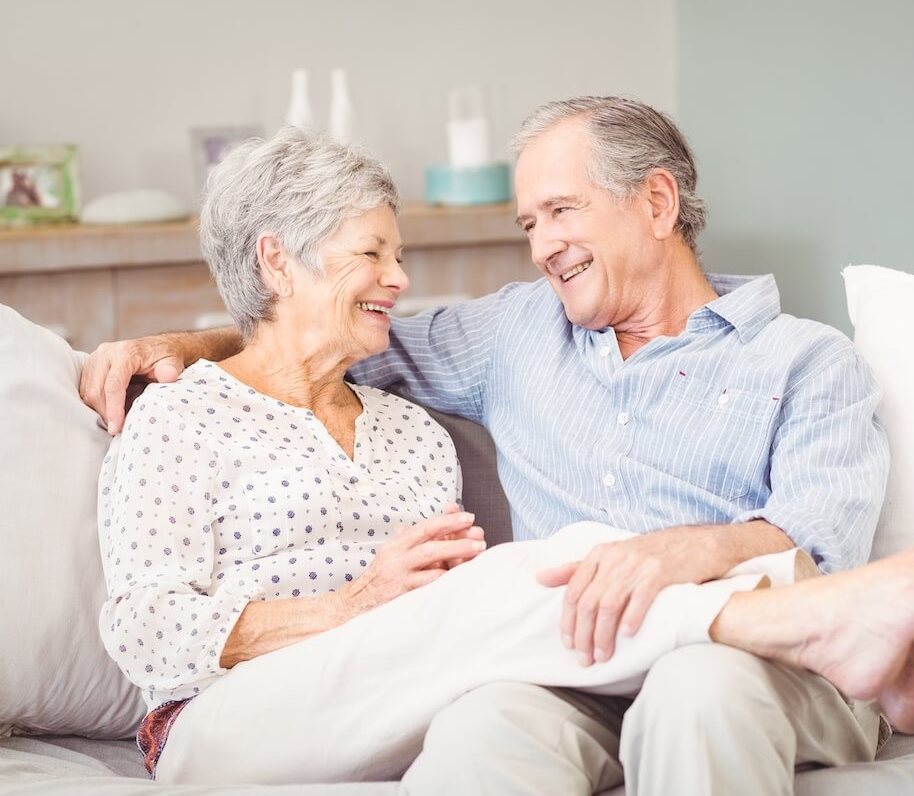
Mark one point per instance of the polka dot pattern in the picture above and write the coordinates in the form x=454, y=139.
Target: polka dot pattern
x=215, y=495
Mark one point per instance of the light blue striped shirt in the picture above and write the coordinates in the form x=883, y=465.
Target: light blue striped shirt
x=748, y=414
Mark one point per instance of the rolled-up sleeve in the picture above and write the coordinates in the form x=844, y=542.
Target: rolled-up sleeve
x=829, y=464
x=166, y=619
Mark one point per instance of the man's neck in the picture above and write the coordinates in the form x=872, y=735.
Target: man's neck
x=664, y=306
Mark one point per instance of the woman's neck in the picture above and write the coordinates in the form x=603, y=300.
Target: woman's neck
x=309, y=376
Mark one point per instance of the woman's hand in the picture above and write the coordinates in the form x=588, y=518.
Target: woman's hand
x=416, y=556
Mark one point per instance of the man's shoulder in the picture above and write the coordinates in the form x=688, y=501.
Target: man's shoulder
x=807, y=338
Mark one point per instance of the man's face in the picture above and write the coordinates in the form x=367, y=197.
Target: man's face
x=593, y=249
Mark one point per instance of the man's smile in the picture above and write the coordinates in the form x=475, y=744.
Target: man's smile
x=576, y=270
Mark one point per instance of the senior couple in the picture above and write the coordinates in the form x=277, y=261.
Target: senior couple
x=257, y=500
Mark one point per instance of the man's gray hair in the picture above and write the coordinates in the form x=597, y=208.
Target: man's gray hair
x=628, y=140
x=296, y=186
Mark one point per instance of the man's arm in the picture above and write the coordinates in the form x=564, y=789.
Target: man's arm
x=107, y=372
x=613, y=587
x=829, y=463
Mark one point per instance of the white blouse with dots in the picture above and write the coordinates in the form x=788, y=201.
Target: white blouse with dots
x=215, y=495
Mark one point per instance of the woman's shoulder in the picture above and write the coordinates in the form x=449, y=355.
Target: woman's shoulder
x=174, y=402
x=387, y=407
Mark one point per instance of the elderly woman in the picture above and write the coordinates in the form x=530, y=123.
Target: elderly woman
x=253, y=512
x=261, y=500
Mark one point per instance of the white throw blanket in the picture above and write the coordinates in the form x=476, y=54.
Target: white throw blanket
x=367, y=691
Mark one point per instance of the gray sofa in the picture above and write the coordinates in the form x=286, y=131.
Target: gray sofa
x=71, y=766
x=66, y=710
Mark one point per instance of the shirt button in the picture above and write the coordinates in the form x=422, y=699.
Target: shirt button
x=723, y=399
x=605, y=351
x=609, y=479
x=623, y=418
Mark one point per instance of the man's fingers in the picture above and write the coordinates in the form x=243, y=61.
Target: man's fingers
x=579, y=582
x=558, y=576
x=637, y=608
x=92, y=387
x=115, y=391
x=166, y=370
x=613, y=606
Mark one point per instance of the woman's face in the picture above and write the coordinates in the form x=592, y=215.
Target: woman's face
x=349, y=306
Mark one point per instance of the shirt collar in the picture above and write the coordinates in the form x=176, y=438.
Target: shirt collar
x=747, y=303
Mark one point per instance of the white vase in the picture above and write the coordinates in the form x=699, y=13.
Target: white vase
x=341, y=111
x=299, y=113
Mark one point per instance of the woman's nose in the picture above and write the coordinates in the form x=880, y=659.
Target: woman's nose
x=394, y=277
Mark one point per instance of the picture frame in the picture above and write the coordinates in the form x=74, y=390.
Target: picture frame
x=210, y=145
x=38, y=185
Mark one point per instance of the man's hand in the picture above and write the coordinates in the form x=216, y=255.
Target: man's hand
x=106, y=375
x=612, y=589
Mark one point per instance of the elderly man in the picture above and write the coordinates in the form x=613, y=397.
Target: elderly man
x=628, y=386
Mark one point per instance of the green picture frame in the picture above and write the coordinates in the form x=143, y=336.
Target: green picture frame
x=38, y=185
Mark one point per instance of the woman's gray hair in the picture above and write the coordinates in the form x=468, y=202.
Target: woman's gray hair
x=297, y=186
x=628, y=140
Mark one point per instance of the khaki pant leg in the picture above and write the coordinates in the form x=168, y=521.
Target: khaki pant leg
x=711, y=719
x=516, y=738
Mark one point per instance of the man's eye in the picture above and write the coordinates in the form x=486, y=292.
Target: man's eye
x=561, y=209
x=528, y=228
x=373, y=255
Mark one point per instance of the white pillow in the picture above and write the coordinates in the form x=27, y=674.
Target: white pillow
x=880, y=303
x=55, y=676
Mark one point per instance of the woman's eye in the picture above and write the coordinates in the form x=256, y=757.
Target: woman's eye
x=373, y=255
x=561, y=209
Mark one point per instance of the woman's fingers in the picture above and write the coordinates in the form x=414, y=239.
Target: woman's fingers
x=437, y=553
x=438, y=527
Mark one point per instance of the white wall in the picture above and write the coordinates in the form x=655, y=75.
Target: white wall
x=126, y=79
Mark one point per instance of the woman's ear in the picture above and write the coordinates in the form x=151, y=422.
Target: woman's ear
x=663, y=196
x=275, y=265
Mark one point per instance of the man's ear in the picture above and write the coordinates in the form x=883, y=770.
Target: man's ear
x=275, y=265
x=662, y=193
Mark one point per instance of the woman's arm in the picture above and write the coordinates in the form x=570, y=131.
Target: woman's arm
x=417, y=555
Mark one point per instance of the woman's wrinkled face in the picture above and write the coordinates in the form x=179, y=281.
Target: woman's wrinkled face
x=350, y=305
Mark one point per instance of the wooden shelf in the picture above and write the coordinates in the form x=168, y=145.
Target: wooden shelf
x=67, y=247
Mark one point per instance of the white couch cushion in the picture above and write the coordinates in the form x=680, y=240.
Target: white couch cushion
x=55, y=676
x=880, y=303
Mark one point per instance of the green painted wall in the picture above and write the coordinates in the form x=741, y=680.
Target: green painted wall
x=801, y=115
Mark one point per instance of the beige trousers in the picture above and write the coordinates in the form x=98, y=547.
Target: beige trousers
x=709, y=720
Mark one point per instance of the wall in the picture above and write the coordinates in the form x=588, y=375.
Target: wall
x=802, y=118
x=126, y=79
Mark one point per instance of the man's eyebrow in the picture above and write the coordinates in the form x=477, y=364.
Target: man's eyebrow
x=552, y=201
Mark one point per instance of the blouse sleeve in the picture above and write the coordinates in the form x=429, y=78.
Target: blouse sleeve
x=166, y=619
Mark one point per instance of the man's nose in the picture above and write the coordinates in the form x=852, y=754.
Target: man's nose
x=544, y=247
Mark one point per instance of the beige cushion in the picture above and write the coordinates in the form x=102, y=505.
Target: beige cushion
x=55, y=676
x=880, y=302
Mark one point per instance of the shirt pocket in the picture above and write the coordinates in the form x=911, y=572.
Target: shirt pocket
x=718, y=435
